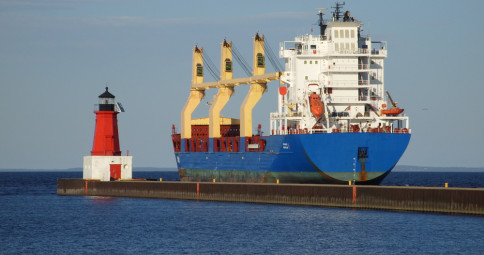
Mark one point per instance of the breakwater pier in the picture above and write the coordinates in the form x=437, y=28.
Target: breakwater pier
x=401, y=198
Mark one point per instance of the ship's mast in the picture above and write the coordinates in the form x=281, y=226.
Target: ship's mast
x=322, y=26
x=337, y=10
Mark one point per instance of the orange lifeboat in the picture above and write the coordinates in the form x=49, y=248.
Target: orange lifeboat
x=392, y=112
x=316, y=105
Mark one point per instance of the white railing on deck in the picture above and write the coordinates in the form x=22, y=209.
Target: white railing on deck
x=337, y=99
x=353, y=51
x=338, y=52
x=295, y=115
x=379, y=52
x=339, y=130
x=342, y=68
x=347, y=83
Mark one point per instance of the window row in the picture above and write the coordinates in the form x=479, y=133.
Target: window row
x=344, y=46
x=310, y=62
x=344, y=33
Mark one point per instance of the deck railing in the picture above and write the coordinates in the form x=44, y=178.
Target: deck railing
x=341, y=130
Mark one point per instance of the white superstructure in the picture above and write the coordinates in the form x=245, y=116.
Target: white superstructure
x=346, y=71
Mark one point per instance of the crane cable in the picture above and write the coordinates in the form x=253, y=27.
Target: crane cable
x=242, y=62
x=272, y=57
x=207, y=61
x=238, y=57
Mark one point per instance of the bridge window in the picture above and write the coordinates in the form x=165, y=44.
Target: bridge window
x=260, y=60
x=199, y=70
x=228, y=65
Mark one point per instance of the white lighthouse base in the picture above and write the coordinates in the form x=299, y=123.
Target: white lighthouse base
x=99, y=167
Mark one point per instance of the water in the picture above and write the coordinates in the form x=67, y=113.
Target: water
x=34, y=220
x=435, y=179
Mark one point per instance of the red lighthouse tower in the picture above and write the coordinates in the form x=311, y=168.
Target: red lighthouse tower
x=106, y=139
x=106, y=162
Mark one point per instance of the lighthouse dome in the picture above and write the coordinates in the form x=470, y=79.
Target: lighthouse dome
x=106, y=94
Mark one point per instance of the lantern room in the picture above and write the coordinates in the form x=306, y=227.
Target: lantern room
x=106, y=101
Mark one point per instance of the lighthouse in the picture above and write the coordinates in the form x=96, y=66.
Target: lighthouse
x=106, y=162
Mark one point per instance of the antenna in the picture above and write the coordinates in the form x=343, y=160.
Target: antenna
x=337, y=10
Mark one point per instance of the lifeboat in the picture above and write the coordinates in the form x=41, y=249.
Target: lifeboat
x=316, y=105
x=392, y=112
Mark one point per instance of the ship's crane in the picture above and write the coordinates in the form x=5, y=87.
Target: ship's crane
x=395, y=111
x=394, y=104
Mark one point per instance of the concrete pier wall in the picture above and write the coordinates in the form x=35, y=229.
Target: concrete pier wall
x=421, y=199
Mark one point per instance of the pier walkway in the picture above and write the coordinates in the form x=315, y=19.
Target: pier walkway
x=419, y=199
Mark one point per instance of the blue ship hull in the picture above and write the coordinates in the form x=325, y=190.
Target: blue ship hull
x=302, y=158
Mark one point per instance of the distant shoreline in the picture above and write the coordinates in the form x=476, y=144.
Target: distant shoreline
x=402, y=168
x=78, y=169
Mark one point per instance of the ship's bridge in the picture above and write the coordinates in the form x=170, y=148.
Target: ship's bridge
x=303, y=45
x=316, y=45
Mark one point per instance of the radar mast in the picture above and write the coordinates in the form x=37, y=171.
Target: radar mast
x=337, y=10
x=322, y=26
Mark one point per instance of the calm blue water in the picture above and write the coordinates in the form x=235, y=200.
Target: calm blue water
x=34, y=220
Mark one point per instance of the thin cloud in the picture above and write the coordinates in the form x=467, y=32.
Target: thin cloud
x=21, y=5
x=32, y=20
x=121, y=21
x=39, y=4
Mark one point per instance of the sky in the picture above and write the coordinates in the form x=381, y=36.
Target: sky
x=56, y=57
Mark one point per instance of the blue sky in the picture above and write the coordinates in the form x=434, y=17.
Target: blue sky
x=57, y=56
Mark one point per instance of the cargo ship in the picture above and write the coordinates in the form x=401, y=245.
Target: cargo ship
x=335, y=122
